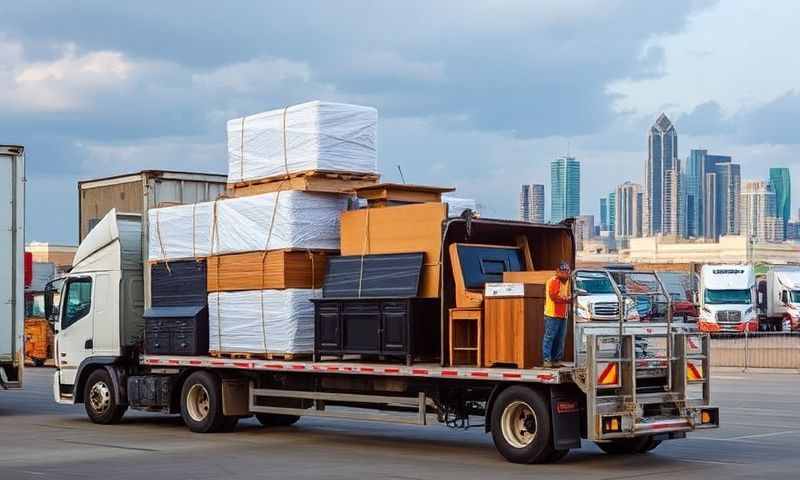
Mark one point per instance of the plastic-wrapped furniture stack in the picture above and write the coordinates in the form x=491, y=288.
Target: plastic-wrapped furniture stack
x=266, y=244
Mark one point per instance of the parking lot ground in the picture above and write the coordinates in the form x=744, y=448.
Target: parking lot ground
x=41, y=440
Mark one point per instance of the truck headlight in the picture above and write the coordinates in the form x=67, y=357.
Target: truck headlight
x=748, y=311
x=582, y=312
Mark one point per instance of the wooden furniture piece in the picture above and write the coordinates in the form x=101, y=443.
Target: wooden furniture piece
x=514, y=325
x=393, y=194
x=181, y=330
x=309, y=181
x=404, y=229
x=466, y=336
x=277, y=269
x=538, y=276
x=396, y=327
x=475, y=264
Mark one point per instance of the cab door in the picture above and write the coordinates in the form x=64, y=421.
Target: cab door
x=74, y=341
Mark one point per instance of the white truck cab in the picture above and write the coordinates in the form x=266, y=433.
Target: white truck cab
x=779, y=298
x=98, y=318
x=597, y=300
x=726, y=297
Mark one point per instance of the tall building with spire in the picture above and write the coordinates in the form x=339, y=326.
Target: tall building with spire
x=662, y=156
x=565, y=188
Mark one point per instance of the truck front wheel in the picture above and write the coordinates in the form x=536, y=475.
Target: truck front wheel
x=99, y=399
x=201, y=404
x=521, y=426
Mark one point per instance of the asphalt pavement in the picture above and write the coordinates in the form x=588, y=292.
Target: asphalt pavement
x=40, y=439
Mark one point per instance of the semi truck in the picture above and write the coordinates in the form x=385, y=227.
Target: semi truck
x=778, y=298
x=726, y=299
x=12, y=259
x=609, y=394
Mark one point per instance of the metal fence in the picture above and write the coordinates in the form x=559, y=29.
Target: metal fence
x=756, y=350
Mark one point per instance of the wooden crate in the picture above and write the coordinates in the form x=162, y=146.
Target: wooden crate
x=400, y=229
x=277, y=270
x=388, y=194
x=308, y=181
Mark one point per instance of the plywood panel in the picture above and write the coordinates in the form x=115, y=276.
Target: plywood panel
x=400, y=229
x=278, y=269
x=96, y=202
x=539, y=276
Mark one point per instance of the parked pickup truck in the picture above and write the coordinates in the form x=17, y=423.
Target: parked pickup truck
x=609, y=395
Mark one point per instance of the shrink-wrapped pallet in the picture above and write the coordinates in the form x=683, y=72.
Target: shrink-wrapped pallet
x=262, y=321
x=456, y=205
x=310, y=136
x=301, y=220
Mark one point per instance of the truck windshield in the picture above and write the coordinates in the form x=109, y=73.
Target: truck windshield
x=594, y=283
x=728, y=297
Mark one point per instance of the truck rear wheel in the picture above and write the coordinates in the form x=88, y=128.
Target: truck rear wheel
x=625, y=446
x=201, y=404
x=275, y=420
x=521, y=426
x=99, y=399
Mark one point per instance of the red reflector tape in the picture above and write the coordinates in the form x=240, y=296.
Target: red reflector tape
x=419, y=371
x=546, y=377
x=174, y=362
x=241, y=364
x=512, y=375
x=367, y=369
x=391, y=370
x=218, y=363
x=298, y=367
x=273, y=365
x=196, y=362
x=449, y=373
x=480, y=374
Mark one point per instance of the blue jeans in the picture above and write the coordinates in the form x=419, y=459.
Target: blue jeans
x=553, y=341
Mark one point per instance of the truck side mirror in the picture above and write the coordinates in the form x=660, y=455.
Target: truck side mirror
x=785, y=297
x=580, y=292
x=50, y=308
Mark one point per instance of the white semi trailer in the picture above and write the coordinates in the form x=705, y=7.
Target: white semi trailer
x=611, y=395
x=12, y=269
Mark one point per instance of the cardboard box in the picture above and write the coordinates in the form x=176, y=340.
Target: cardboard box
x=399, y=229
x=277, y=270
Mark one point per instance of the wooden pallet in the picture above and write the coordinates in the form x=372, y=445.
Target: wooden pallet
x=308, y=181
x=260, y=355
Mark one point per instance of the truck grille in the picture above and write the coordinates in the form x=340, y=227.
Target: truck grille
x=729, y=317
x=606, y=309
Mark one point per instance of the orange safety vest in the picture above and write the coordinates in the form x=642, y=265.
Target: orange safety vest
x=557, y=299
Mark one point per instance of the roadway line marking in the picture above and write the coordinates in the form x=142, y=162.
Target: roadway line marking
x=761, y=435
x=711, y=462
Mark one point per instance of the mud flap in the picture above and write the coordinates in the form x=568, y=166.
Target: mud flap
x=565, y=411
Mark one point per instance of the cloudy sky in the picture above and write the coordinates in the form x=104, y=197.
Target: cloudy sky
x=480, y=95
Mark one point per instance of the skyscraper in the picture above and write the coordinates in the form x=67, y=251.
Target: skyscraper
x=629, y=211
x=758, y=220
x=583, y=230
x=710, y=210
x=612, y=211
x=531, y=203
x=671, y=214
x=565, y=188
x=662, y=149
x=729, y=186
x=603, y=214
x=694, y=186
x=782, y=186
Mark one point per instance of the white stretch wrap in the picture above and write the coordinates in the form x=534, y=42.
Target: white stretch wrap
x=236, y=322
x=310, y=136
x=302, y=220
x=456, y=205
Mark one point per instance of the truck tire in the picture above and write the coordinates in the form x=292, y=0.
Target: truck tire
x=99, y=399
x=275, y=420
x=201, y=404
x=521, y=427
x=626, y=446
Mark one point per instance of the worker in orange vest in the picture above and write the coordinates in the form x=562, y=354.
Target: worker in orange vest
x=558, y=298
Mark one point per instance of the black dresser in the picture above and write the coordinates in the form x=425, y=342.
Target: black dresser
x=177, y=322
x=370, y=307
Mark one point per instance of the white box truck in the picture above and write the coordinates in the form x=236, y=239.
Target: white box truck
x=12, y=269
x=726, y=299
x=779, y=298
x=535, y=415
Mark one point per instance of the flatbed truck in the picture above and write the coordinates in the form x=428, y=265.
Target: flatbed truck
x=608, y=394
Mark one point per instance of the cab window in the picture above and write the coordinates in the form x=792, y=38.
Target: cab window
x=78, y=301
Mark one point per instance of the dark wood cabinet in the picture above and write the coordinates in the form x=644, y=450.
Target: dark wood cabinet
x=406, y=328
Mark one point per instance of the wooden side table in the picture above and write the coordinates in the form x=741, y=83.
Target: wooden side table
x=466, y=336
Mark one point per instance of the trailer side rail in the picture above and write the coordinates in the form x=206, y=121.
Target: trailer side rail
x=534, y=375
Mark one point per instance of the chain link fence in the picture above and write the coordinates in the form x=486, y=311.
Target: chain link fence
x=756, y=350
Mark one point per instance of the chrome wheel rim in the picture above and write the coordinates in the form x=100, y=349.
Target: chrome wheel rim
x=100, y=397
x=198, y=403
x=518, y=424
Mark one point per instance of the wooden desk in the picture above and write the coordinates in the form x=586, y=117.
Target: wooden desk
x=514, y=327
